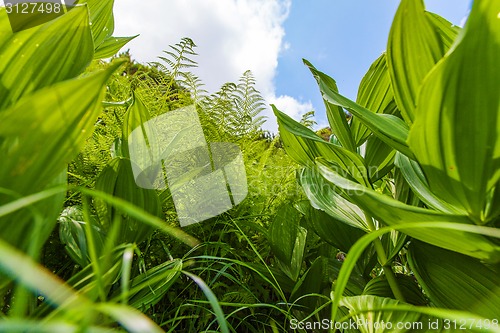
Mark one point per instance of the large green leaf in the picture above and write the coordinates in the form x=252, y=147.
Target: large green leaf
x=309, y=286
x=447, y=32
x=389, y=128
x=393, y=212
x=103, y=22
x=455, y=136
x=413, y=48
x=41, y=56
x=417, y=181
x=72, y=235
x=375, y=94
x=337, y=233
x=288, y=240
x=369, y=310
x=33, y=225
x=43, y=132
x=335, y=114
x=117, y=179
x=455, y=281
x=379, y=158
x=136, y=116
x=409, y=288
x=328, y=198
x=341, y=287
x=303, y=145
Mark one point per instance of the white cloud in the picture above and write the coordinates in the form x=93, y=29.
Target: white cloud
x=291, y=106
x=232, y=37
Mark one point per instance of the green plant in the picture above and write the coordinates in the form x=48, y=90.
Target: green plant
x=416, y=171
x=48, y=110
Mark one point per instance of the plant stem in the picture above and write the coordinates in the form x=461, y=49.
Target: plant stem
x=386, y=266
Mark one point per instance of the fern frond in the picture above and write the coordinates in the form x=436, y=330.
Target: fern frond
x=179, y=57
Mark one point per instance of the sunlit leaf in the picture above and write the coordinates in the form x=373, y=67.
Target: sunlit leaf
x=130, y=319
x=335, y=114
x=326, y=197
x=303, y=145
x=392, y=212
x=55, y=51
x=455, y=281
x=103, y=22
x=369, y=310
x=455, y=135
x=44, y=131
x=411, y=55
x=339, y=234
x=375, y=94
x=388, y=128
x=110, y=46
x=417, y=181
x=117, y=179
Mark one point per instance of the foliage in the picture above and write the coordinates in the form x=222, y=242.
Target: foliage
x=415, y=172
x=378, y=217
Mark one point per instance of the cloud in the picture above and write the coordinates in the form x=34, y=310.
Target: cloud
x=232, y=36
x=291, y=106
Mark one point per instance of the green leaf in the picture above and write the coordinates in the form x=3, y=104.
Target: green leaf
x=103, y=22
x=379, y=158
x=417, y=181
x=326, y=197
x=36, y=278
x=455, y=281
x=35, y=58
x=360, y=246
x=337, y=233
x=288, y=240
x=44, y=131
x=214, y=302
x=390, y=129
x=447, y=32
x=392, y=212
x=139, y=214
x=130, y=319
x=309, y=286
x=304, y=146
x=369, y=309
x=136, y=116
x=455, y=136
x=411, y=55
x=335, y=114
x=110, y=46
x=33, y=225
x=72, y=235
x=148, y=288
x=408, y=285
x=117, y=179
x=101, y=273
x=375, y=94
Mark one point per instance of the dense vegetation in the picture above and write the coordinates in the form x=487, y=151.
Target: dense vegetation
x=392, y=219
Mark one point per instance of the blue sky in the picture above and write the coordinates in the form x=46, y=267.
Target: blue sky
x=270, y=37
x=341, y=38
